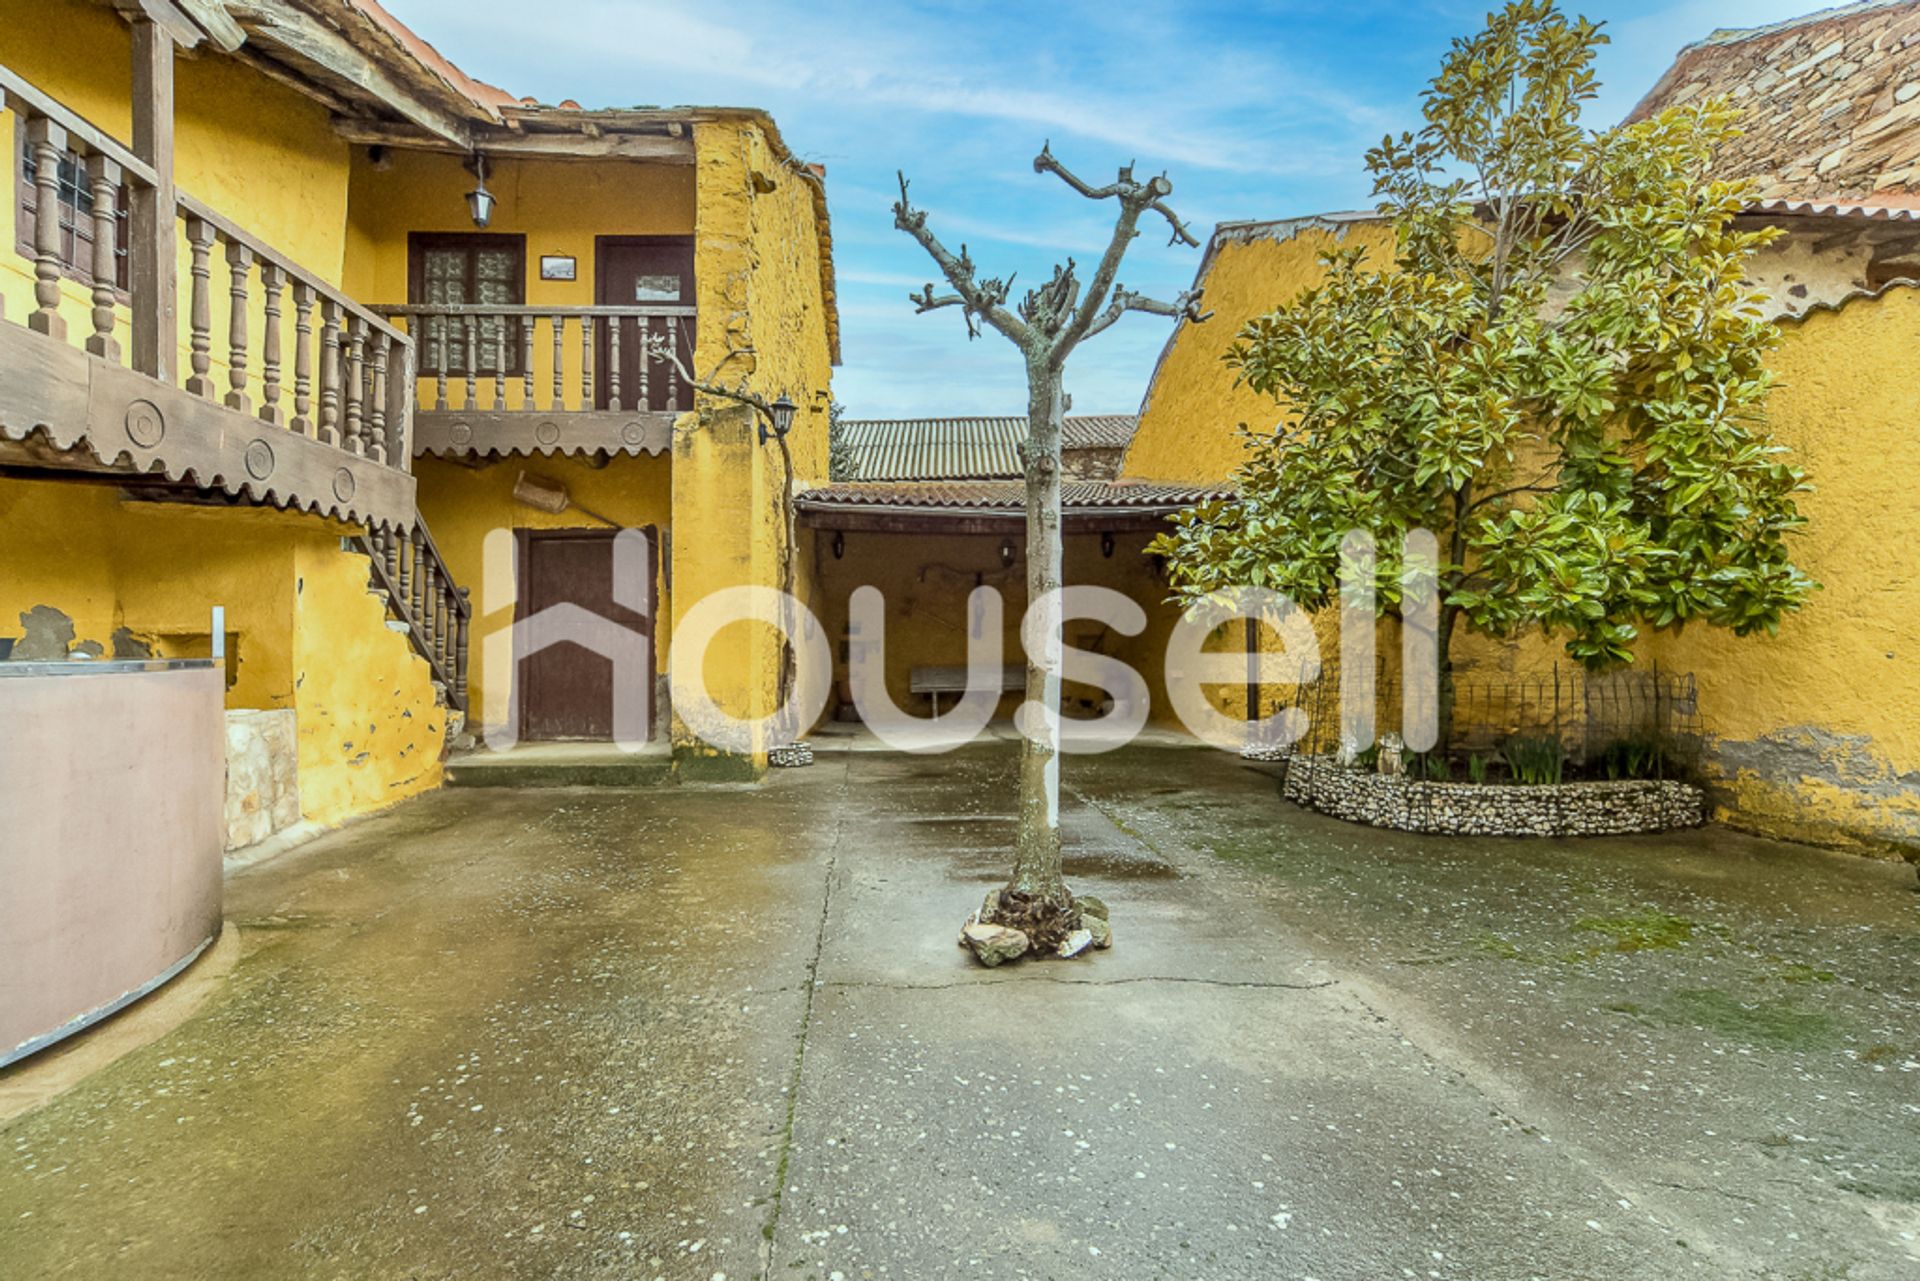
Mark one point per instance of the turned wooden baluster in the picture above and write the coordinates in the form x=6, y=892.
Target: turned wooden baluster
x=500, y=363
x=390, y=546
x=377, y=401
x=419, y=585
x=646, y=358
x=49, y=143
x=673, y=370
x=438, y=327
x=239, y=264
x=303, y=299
x=460, y=651
x=472, y=362
x=559, y=364
x=103, y=174
x=613, y=363
x=449, y=619
x=200, y=309
x=526, y=362
x=329, y=371
x=356, y=373
x=403, y=578
x=273, y=279
x=586, y=362
x=427, y=597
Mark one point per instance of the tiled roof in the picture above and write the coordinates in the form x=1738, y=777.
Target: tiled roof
x=1830, y=101
x=965, y=448
x=1003, y=495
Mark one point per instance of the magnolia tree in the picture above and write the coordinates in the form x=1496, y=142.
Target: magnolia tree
x=1046, y=326
x=1561, y=375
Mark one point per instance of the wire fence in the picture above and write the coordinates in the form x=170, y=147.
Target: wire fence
x=1542, y=728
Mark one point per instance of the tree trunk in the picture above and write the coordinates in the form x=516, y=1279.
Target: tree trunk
x=1036, y=898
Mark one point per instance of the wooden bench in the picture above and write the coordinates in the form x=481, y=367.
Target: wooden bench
x=935, y=681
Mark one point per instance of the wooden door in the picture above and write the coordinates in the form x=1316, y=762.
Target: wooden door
x=635, y=271
x=566, y=690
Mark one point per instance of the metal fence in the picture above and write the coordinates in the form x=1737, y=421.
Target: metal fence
x=1633, y=723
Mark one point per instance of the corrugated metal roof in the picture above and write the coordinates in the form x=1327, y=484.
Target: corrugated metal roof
x=1002, y=495
x=908, y=449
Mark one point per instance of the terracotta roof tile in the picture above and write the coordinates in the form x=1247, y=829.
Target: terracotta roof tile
x=1003, y=495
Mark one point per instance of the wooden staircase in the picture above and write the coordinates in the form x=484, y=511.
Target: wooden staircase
x=423, y=601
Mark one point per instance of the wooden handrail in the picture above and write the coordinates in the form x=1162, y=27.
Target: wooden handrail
x=407, y=566
x=525, y=309
x=233, y=233
x=19, y=93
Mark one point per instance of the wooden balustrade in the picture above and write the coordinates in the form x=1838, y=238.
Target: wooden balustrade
x=599, y=358
x=364, y=408
x=421, y=593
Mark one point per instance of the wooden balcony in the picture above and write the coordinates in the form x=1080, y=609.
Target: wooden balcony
x=289, y=394
x=505, y=380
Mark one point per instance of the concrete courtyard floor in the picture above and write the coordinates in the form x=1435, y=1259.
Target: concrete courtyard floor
x=704, y=1032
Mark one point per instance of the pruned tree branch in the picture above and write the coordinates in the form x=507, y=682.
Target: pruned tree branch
x=1151, y=194
x=983, y=299
x=1185, y=306
x=659, y=348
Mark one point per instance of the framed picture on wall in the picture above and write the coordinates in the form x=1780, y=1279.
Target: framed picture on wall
x=558, y=267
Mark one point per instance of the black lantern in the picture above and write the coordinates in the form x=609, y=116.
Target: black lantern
x=1008, y=552
x=781, y=411
x=480, y=200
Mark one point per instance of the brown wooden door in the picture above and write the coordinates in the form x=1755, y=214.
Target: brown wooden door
x=566, y=690
x=638, y=270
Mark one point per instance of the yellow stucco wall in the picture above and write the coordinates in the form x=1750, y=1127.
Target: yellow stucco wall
x=1811, y=733
x=1815, y=731
x=462, y=505
x=303, y=631
x=560, y=206
x=1190, y=419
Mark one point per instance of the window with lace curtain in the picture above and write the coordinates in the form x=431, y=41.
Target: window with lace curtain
x=74, y=191
x=467, y=268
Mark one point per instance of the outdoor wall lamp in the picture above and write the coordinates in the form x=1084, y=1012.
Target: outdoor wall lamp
x=1007, y=553
x=480, y=200
x=1106, y=545
x=779, y=415
x=839, y=544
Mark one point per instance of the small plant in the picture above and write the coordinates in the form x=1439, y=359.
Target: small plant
x=1535, y=760
x=1437, y=768
x=1477, y=768
x=1367, y=759
x=1632, y=758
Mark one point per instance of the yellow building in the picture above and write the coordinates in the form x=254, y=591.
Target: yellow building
x=1811, y=734
x=302, y=322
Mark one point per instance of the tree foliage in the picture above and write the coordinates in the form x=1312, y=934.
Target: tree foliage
x=1562, y=374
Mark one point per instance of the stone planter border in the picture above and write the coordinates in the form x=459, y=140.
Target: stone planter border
x=1491, y=809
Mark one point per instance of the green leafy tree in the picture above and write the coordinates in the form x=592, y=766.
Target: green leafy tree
x=1561, y=375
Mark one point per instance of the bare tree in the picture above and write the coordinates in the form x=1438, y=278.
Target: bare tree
x=1046, y=326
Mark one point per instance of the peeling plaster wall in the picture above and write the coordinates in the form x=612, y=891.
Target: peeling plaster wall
x=302, y=630
x=759, y=286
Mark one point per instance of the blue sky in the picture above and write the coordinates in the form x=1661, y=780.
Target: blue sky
x=1254, y=108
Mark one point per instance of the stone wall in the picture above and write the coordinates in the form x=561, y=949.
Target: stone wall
x=1492, y=809
x=263, y=781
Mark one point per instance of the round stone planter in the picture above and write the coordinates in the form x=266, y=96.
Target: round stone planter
x=1492, y=809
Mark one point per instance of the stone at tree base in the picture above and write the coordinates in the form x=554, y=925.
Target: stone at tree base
x=1077, y=942
x=1090, y=906
x=973, y=918
x=993, y=945
x=1098, y=927
x=990, y=907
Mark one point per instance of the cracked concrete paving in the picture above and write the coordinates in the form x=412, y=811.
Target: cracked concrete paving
x=693, y=1032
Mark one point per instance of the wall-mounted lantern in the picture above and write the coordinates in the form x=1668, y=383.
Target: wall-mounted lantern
x=1008, y=552
x=780, y=418
x=480, y=200
x=839, y=544
x=1106, y=545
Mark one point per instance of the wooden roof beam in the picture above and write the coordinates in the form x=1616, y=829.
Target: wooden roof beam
x=657, y=148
